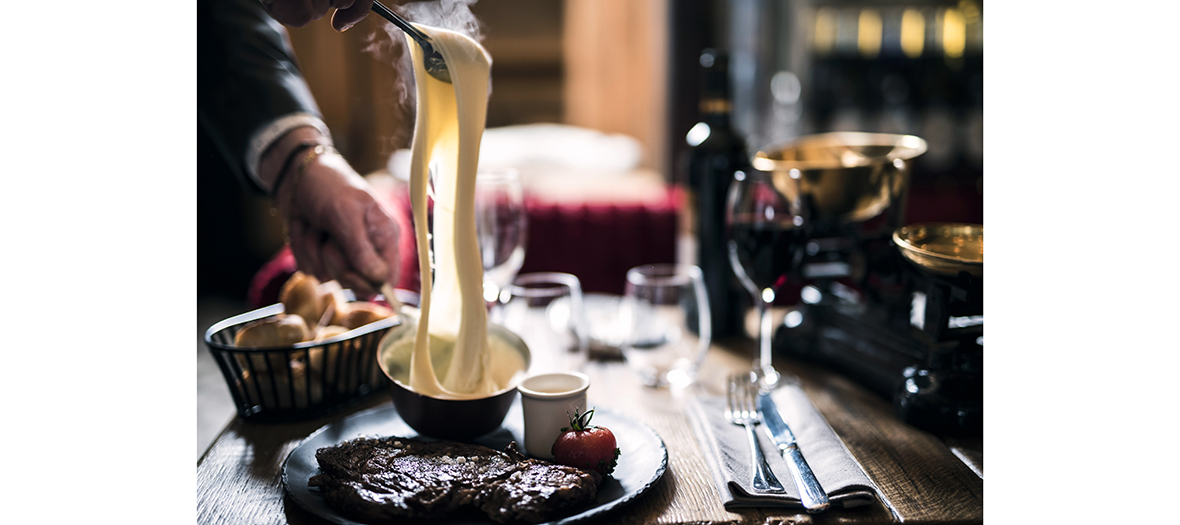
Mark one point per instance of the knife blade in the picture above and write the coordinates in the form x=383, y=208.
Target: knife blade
x=812, y=495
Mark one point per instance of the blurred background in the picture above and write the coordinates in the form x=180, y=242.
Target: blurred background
x=632, y=70
x=632, y=67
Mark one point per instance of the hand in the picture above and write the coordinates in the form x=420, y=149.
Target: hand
x=337, y=230
x=298, y=13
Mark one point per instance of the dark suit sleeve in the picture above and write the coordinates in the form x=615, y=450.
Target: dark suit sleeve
x=247, y=77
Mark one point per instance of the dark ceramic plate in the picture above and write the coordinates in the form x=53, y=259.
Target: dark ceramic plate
x=642, y=459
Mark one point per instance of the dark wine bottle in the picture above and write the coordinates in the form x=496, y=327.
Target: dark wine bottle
x=717, y=151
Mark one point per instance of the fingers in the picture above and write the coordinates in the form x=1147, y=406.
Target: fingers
x=384, y=233
x=296, y=13
x=321, y=7
x=305, y=246
x=349, y=230
x=340, y=270
x=346, y=17
x=380, y=237
x=321, y=257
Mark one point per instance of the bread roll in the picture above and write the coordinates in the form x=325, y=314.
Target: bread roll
x=331, y=295
x=300, y=297
x=362, y=313
x=282, y=330
x=325, y=332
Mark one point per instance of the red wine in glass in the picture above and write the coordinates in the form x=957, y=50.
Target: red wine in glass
x=763, y=254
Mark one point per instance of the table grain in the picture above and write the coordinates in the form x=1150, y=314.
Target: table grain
x=923, y=478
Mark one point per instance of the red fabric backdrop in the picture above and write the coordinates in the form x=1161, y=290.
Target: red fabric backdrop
x=597, y=242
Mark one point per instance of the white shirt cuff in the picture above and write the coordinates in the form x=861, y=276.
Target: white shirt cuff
x=267, y=135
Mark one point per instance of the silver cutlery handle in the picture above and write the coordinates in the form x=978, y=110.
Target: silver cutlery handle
x=810, y=493
x=764, y=480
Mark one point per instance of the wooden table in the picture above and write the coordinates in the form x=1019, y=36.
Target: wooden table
x=926, y=479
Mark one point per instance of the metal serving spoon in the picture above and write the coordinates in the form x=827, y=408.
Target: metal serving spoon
x=436, y=66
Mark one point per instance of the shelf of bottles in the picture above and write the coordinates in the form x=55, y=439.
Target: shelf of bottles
x=912, y=68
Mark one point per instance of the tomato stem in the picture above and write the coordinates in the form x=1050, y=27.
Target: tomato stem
x=580, y=421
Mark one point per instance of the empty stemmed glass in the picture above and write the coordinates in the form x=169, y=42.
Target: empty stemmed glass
x=501, y=227
x=764, y=230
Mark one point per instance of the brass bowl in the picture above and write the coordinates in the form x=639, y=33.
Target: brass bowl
x=943, y=248
x=450, y=419
x=844, y=177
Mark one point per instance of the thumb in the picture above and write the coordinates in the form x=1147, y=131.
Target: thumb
x=343, y=19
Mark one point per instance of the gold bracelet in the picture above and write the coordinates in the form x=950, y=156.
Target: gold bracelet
x=311, y=155
x=308, y=158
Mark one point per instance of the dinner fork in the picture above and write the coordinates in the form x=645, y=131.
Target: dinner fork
x=740, y=409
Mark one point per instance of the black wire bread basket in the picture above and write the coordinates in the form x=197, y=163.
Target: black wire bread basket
x=301, y=381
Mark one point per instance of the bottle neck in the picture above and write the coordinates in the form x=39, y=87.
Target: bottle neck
x=715, y=112
x=715, y=106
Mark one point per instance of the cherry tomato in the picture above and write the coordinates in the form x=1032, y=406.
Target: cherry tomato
x=586, y=447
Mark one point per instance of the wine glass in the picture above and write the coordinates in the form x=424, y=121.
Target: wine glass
x=501, y=228
x=665, y=313
x=546, y=310
x=764, y=232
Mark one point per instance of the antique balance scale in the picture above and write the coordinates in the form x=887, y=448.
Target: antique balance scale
x=897, y=308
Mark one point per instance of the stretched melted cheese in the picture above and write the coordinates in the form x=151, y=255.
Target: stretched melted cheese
x=450, y=123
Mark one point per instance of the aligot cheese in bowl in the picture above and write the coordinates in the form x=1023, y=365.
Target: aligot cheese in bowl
x=447, y=364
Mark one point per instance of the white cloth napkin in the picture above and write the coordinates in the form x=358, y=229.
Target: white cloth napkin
x=727, y=451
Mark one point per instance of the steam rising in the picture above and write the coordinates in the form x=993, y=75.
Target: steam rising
x=390, y=47
x=447, y=14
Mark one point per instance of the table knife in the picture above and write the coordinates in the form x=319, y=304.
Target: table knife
x=810, y=493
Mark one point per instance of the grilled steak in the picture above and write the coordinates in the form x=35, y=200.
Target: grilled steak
x=378, y=480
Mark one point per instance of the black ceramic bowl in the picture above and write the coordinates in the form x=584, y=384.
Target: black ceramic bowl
x=450, y=419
